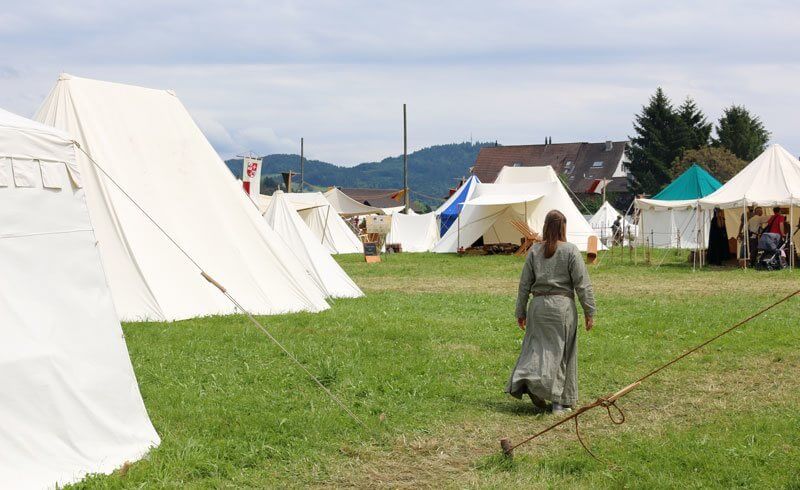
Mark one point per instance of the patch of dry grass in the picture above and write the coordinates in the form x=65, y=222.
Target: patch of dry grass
x=451, y=452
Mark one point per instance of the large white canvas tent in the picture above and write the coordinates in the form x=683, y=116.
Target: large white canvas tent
x=414, y=232
x=521, y=193
x=491, y=207
x=69, y=401
x=772, y=179
x=669, y=219
x=147, y=142
x=331, y=278
x=347, y=206
x=324, y=222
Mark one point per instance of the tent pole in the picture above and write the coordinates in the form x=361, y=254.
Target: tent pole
x=744, y=225
x=696, y=238
x=791, y=237
x=458, y=231
x=325, y=228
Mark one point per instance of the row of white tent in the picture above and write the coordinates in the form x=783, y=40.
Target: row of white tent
x=484, y=211
x=772, y=179
x=110, y=205
x=113, y=203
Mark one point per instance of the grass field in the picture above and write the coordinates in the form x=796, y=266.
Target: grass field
x=424, y=357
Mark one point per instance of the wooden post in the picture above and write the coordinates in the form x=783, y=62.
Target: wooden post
x=302, y=167
x=405, y=162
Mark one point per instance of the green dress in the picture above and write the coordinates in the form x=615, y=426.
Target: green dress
x=548, y=364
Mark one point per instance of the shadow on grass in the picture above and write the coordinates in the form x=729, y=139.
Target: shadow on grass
x=522, y=408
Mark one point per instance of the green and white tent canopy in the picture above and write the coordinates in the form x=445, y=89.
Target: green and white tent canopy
x=694, y=183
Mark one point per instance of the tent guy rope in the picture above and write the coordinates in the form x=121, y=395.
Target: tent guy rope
x=224, y=291
x=611, y=400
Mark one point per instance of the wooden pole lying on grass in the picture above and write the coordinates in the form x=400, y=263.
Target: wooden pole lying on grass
x=610, y=401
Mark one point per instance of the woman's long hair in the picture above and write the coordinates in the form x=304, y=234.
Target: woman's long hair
x=554, y=231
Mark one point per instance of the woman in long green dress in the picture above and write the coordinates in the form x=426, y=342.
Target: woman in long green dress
x=554, y=273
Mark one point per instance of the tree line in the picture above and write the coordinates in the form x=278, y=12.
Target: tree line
x=670, y=139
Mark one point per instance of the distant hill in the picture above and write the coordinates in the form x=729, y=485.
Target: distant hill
x=431, y=171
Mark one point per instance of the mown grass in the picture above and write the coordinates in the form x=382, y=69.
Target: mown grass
x=423, y=358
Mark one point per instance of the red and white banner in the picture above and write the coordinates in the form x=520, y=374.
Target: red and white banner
x=597, y=186
x=251, y=176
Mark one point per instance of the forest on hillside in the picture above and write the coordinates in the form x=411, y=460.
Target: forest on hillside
x=432, y=171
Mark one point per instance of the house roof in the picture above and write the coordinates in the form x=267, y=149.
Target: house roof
x=694, y=183
x=574, y=161
x=379, y=198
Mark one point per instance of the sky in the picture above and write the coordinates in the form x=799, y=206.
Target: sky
x=258, y=75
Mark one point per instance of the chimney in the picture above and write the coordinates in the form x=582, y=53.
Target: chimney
x=609, y=145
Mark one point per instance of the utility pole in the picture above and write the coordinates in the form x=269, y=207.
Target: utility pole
x=302, y=166
x=405, y=161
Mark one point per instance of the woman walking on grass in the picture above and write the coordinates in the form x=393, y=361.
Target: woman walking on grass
x=547, y=368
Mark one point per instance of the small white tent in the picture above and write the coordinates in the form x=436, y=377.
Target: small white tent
x=347, y=206
x=414, y=232
x=603, y=220
x=491, y=208
x=69, y=401
x=324, y=222
x=147, y=142
x=284, y=219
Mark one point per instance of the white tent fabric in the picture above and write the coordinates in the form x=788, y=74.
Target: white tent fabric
x=147, y=142
x=282, y=217
x=415, y=232
x=674, y=228
x=772, y=179
x=347, y=206
x=489, y=210
x=602, y=221
x=396, y=210
x=578, y=228
x=69, y=401
x=324, y=222
x=521, y=175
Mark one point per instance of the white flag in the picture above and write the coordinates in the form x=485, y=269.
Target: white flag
x=251, y=176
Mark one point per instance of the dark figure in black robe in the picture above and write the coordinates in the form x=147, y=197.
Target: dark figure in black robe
x=718, y=240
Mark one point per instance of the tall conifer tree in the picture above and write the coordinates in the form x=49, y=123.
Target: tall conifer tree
x=656, y=145
x=742, y=133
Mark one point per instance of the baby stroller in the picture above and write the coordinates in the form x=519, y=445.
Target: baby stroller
x=771, y=252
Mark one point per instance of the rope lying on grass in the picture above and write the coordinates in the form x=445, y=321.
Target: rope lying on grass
x=611, y=400
x=224, y=291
